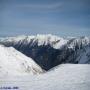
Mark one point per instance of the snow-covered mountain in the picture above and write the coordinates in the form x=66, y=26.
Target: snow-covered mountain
x=49, y=50
x=13, y=62
x=48, y=39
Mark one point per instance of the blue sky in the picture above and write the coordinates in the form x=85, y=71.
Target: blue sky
x=59, y=17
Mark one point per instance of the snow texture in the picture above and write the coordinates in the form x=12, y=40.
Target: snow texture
x=63, y=77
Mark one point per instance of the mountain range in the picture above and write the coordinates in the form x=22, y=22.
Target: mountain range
x=49, y=50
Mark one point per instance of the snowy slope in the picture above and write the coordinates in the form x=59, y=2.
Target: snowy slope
x=80, y=42
x=82, y=56
x=64, y=77
x=13, y=62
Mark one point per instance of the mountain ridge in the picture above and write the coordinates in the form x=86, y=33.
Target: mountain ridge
x=50, y=50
